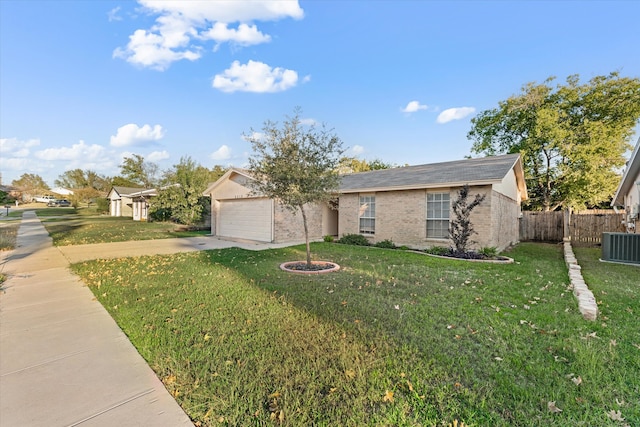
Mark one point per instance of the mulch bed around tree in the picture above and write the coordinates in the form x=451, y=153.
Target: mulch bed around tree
x=317, y=267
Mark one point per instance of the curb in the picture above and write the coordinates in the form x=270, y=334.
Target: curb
x=586, y=301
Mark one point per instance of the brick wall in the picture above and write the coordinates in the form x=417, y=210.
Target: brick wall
x=289, y=227
x=505, y=223
x=401, y=216
x=348, y=222
x=480, y=217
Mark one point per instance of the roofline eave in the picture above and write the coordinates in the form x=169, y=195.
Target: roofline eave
x=418, y=187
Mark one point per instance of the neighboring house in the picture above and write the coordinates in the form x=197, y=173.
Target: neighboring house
x=62, y=191
x=409, y=205
x=628, y=193
x=133, y=202
x=13, y=192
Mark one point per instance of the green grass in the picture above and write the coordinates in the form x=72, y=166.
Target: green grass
x=82, y=229
x=392, y=339
x=48, y=212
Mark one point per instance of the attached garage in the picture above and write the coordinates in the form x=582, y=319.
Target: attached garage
x=237, y=212
x=249, y=219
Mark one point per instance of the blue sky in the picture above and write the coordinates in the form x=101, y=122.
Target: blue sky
x=85, y=83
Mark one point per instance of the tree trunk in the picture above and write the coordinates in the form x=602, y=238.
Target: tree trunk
x=547, y=187
x=306, y=236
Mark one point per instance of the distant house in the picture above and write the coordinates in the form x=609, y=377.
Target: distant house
x=409, y=205
x=130, y=202
x=627, y=195
x=62, y=191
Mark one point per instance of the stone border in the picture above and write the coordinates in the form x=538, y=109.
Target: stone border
x=586, y=301
x=335, y=267
x=504, y=260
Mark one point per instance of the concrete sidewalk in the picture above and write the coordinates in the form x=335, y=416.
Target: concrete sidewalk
x=63, y=360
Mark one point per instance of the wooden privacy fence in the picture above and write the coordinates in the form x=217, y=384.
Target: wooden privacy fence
x=541, y=226
x=585, y=228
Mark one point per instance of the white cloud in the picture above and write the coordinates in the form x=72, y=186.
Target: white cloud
x=113, y=14
x=13, y=147
x=414, y=106
x=244, y=35
x=156, y=51
x=255, y=136
x=18, y=164
x=79, y=151
x=309, y=122
x=156, y=156
x=222, y=153
x=255, y=76
x=131, y=134
x=454, y=114
x=357, y=149
x=180, y=25
x=226, y=11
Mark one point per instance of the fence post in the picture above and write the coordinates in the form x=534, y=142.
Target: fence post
x=567, y=225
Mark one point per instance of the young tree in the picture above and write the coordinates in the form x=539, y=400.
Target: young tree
x=296, y=165
x=136, y=170
x=572, y=137
x=460, y=228
x=180, y=197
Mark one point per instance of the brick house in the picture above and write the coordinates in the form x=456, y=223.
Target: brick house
x=408, y=205
x=628, y=193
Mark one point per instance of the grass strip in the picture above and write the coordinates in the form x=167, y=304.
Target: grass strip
x=80, y=230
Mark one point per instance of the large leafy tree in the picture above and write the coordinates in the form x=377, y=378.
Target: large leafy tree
x=353, y=165
x=30, y=183
x=180, y=196
x=77, y=179
x=295, y=165
x=136, y=170
x=86, y=184
x=573, y=137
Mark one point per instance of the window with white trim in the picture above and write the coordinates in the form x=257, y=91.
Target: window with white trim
x=367, y=214
x=437, y=215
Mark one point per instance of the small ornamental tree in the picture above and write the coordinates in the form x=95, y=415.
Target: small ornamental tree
x=295, y=165
x=460, y=228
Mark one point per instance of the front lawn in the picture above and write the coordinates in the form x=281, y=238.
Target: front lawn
x=79, y=230
x=392, y=339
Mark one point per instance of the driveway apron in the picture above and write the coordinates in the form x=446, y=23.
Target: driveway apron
x=63, y=360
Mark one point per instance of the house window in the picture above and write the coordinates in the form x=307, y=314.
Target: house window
x=367, y=214
x=437, y=215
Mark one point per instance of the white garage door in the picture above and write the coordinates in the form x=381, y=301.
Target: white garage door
x=246, y=219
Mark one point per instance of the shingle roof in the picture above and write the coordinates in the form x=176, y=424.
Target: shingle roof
x=126, y=191
x=459, y=172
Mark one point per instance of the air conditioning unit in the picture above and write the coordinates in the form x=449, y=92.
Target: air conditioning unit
x=621, y=247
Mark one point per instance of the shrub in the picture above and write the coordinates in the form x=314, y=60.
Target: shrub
x=102, y=205
x=438, y=250
x=489, y=251
x=328, y=238
x=354, y=239
x=385, y=244
x=460, y=228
